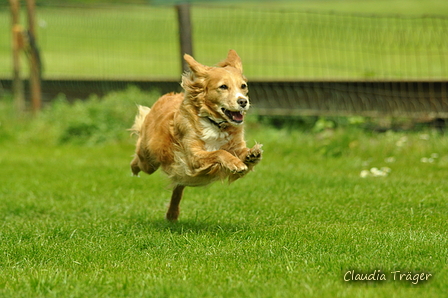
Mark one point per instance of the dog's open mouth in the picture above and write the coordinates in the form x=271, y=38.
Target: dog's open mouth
x=236, y=117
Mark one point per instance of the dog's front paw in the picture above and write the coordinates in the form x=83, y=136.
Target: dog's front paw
x=236, y=166
x=254, y=155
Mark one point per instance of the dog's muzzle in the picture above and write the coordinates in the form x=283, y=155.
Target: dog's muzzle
x=234, y=116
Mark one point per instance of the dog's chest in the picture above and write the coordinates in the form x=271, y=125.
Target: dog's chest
x=212, y=136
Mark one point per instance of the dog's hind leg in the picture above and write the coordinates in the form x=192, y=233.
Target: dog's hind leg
x=148, y=165
x=135, y=168
x=173, y=210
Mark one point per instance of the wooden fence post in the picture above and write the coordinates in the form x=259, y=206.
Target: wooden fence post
x=185, y=40
x=17, y=46
x=35, y=63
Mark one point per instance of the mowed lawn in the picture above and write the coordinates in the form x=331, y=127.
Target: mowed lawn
x=76, y=224
x=298, y=40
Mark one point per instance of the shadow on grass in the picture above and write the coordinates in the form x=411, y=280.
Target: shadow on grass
x=198, y=227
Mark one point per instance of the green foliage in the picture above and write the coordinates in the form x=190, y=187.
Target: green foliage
x=323, y=124
x=289, y=122
x=7, y=115
x=313, y=123
x=88, y=122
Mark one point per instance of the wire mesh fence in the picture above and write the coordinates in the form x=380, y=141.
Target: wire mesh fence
x=129, y=42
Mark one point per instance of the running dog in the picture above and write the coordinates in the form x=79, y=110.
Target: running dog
x=197, y=137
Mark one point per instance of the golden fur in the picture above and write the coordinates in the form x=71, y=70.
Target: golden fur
x=197, y=137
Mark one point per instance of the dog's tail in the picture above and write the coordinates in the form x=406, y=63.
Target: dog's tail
x=139, y=118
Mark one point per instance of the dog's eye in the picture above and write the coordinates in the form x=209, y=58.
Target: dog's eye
x=243, y=86
x=224, y=87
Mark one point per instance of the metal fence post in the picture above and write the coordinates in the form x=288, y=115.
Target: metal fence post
x=185, y=39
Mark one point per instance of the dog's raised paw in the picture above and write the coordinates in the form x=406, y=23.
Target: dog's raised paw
x=255, y=154
x=236, y=168
x=239, y=169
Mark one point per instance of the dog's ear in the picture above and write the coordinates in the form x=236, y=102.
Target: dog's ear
x=197, y=68
x=232, y=60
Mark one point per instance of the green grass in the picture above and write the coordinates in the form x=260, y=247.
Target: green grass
x=76, y=224
x=110, y=42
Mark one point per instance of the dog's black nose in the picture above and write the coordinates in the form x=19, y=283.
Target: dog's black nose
x=242, y=102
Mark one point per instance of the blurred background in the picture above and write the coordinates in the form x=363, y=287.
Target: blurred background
x=372, y=58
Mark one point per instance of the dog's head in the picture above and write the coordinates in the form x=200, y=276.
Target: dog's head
x=219, y=93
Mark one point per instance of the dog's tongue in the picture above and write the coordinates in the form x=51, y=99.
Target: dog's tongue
x=237, y=116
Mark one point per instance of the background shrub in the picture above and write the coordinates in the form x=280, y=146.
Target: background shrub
x=87, y=122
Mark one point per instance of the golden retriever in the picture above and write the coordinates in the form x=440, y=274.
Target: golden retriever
x=197, y=137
